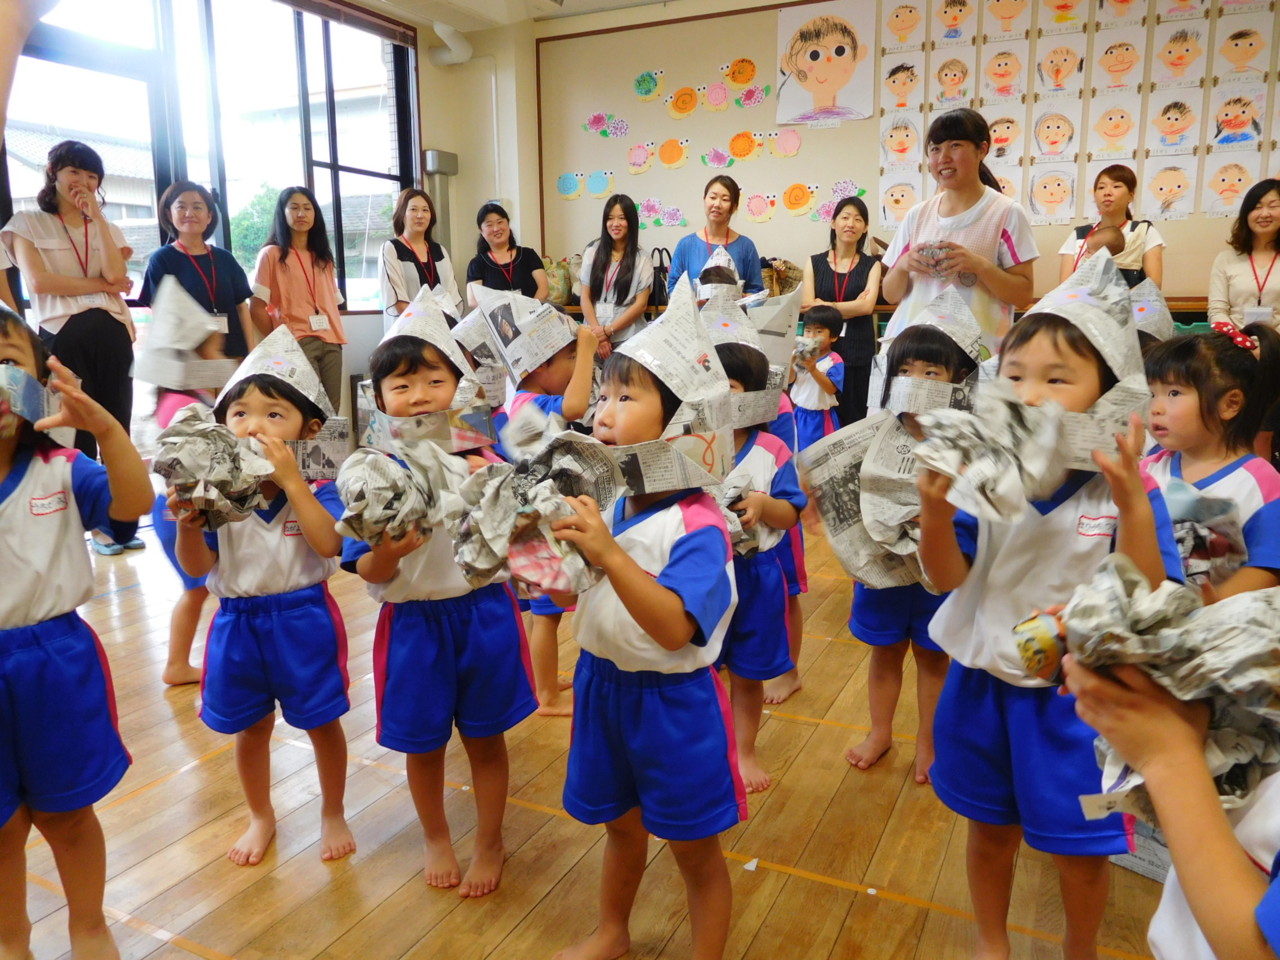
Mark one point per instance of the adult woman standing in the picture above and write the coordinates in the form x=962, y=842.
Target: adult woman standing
x=846, y=277
x=1143, y=255
x=73, y=264
x=295, y=285
x=413, y=259
x=209, y=274
x=720, y=200
x=500, y=262
x=617, y=286
x=976, y=237
x=1243, y=284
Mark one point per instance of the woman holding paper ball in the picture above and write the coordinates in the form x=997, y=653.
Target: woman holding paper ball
x=413, y=259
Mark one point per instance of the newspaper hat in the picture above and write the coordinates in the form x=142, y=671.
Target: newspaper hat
x=527, y=332
x=280, y=356
x=677, y=349
x=727, y=322
x=708, y=288
x=1096, y=300
x=424, y=319
x=949, y=312
x=179, y=325
x=1150, y=311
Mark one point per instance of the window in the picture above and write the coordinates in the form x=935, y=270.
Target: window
x=245, y=96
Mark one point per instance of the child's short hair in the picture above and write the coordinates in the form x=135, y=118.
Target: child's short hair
x=717, y=274
x=927, y=344
x=745, y=364
x=272, y=387
x=404, y=355
x=826, y=317
x=11, y=325
x=625, y=371
x=901, y=68
x=1064, y=334
x=1147, y=342
x=1213, y=364
x=1110, y=237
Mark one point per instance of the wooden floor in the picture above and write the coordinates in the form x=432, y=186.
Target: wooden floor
x=833, y=862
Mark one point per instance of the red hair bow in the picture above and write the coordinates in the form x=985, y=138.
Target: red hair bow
x=1238, y=337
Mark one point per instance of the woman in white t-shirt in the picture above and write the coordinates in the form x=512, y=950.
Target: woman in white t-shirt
x=73, y=264
x=616, y=286
x=1143, y=254
x=968, y=234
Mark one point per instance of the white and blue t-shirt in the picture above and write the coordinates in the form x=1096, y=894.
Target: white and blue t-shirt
x=767, y=460
x=49, y=499
x=805, y=392
x=682, y=542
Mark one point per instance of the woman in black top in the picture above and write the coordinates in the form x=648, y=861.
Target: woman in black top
x=500, y=263
x=846, y=277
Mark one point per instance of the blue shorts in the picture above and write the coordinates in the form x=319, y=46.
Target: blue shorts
x=286, y=647
x=1020, y=755
x=813, y=425
x=662, y=742
x=544, y=606
x=441, y=662
x=756, y=644
x=60, y=750
x=166, y=529
x=791, y=556
x=890, y=615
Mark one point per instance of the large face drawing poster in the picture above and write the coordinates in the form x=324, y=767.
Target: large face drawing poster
x=821, y=49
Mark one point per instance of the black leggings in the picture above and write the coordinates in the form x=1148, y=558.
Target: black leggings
x=96, y=347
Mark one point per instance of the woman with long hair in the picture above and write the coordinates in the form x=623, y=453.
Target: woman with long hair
x=413, y=259
x=295, y=285
x=617, y=276
x=1143, y=254
x=500, y=262
x=968, y=234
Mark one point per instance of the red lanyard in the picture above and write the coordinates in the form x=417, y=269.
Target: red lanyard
x=429, y=274
x=835, y=273
x=610, y=275
x=213, y=267
x=508, y=271
x=310, y=286
x=84, y=264
x=1084, y=244
x=1263, y=283
x=706, y=238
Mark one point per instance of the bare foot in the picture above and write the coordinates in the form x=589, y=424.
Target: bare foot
x=180, y=674
x=556, y=706
x=249, y=850
x=779, y=688
x=565, y=683
x=924, y=760
x=97, y=944
x=599, y=946
x=440, y=866
x=484, y=874
x=753, y=775
x=336, y=839
x=865, y=754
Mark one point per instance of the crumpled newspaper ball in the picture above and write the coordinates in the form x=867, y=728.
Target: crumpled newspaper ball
x=1001, y=455
x=381, y=499
x=209, y=466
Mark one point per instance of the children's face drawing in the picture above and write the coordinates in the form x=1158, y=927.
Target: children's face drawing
x=1178, y=55
x=1058, y=65
x=1168, y=186
x=1003, y=69
x=902, y=21
x=1052, y=132
x=898, y=199
x=954, y=15
x=1242, y=49
x=1062, y=9
x=1229, y=182
x=901, y=84
x=1237, y=115
x=1006, y=11
x=951, y=78
x=1118, y=61
x=1114, y=125
x=901, y=141
x=1051, y=192
x=827, y=64
x=1004, y=132
x=1007, y=187
x=1174, y=123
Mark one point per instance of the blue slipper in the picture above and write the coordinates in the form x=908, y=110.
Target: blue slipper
x=137, y=543
x=106, y=549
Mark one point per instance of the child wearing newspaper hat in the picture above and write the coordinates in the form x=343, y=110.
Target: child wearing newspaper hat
x=61, y=752
x=652, y=750
x=268, y=571
x=1012, y=756
x=818, y=379
x=449, y=654
x=756, y=647
x=942, y=345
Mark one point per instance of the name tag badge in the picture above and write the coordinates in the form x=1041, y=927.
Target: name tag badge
x=221, y=320
x=319, y=321
x=1258, y=315
x=89, y=300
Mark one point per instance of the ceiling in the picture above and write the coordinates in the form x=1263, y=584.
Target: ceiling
x=466, y=15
